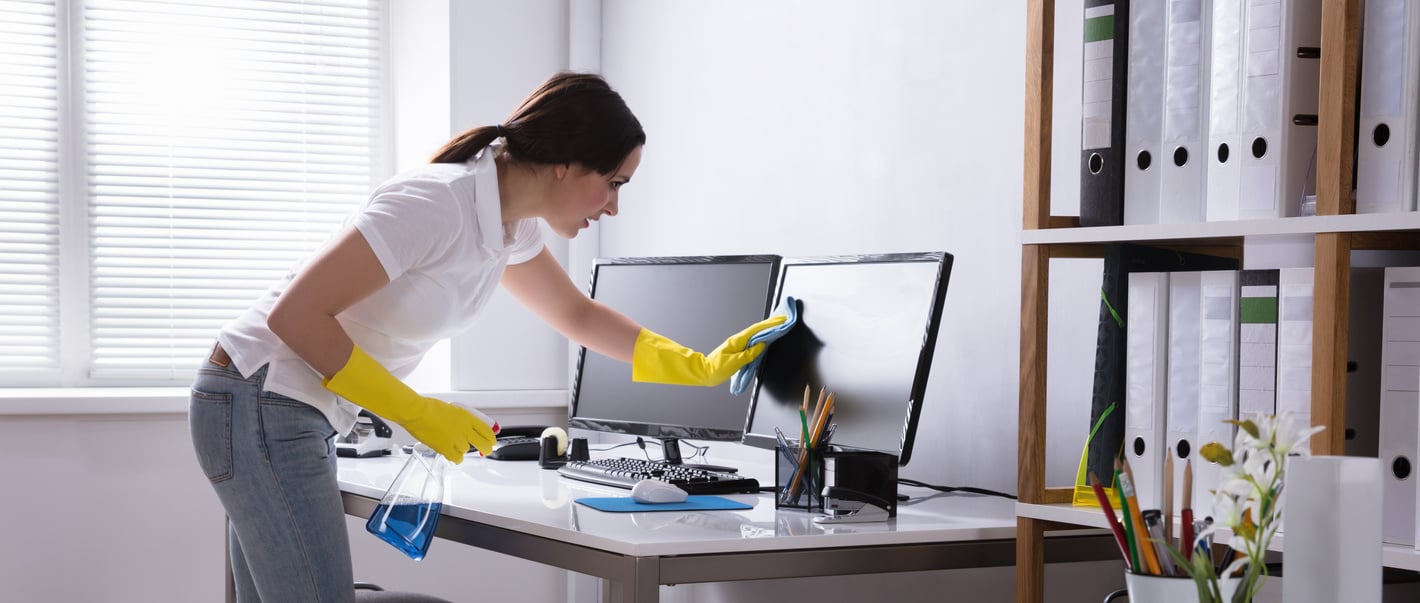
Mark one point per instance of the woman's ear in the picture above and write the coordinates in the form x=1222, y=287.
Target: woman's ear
x=561, y=170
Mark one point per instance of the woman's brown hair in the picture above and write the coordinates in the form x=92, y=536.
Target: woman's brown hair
x=570, y=118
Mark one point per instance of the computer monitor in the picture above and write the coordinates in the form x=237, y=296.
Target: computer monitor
x=868, y=326
x=696, y=301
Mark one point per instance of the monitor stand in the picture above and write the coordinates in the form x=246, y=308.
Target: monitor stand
x=670, y=452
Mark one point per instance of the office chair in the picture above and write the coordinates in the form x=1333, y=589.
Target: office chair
x=371, y=593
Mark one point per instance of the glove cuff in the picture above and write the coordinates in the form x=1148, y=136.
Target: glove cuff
x=366, y=383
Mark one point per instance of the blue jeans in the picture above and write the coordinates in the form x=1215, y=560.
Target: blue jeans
x=271, y=460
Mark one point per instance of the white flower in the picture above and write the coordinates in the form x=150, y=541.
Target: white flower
x=1246, y=501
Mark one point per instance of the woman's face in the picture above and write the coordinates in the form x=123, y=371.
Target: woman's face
x=586, y=195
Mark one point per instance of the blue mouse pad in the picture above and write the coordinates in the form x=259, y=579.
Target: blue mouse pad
x=625, y=504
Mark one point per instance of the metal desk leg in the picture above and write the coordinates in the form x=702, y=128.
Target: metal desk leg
x=640, y=583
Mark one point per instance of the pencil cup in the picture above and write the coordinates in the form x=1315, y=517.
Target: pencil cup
x=798, y=478
x=1172, y=589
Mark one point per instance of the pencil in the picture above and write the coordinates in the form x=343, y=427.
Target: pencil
x=1129, y=532
x=824, y=411
x=1111, y=519
x=1186, y=517
x=804, y=418
x=1126, y=490
x=796, y=481
x=1168, y=496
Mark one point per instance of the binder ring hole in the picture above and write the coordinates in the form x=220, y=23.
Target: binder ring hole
x=1223, y=153
x=1145, y=160
x=1096, y=163
x=1259, y=147
x=1183, y=449
x=1138, y=446
x=1381, y=135
x=1180, y=156
x=1400, y=467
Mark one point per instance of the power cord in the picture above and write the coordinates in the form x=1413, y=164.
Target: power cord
x=621, y=445
x=968, y=489
x=700, y=451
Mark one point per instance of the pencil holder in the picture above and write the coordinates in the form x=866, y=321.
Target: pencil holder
x=1172, y=589
x=798, y=478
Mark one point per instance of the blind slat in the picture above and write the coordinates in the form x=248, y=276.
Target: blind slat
x=29, y=203
x=221, y=142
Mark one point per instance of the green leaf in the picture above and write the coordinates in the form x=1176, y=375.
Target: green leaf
x=1217, y=453
x=1248, y=426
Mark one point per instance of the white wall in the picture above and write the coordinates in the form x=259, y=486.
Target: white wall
x=832, y=127
x=813, y=127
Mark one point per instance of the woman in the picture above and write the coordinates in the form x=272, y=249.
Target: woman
x=413, y=266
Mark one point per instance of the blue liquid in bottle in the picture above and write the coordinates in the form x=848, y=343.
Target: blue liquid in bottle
x=408, y=527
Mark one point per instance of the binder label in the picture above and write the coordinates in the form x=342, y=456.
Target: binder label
x=1097, y=87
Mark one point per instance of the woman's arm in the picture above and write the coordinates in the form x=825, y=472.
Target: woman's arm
x=542, y=286
x=304, y=315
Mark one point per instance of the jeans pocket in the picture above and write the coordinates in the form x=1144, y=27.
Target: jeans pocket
x=210, y=420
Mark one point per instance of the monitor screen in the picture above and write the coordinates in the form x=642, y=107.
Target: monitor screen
x=696, y=301
x=868, y=326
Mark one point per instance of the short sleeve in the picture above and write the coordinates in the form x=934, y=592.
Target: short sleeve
x=408, y=224
x=527, y=241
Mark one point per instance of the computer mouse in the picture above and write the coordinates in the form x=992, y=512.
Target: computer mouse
x=653, y=491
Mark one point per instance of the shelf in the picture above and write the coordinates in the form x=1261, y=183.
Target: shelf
x=1205, y=231
x=1395, y=556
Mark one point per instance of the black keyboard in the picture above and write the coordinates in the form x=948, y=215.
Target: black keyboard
x=625, y=472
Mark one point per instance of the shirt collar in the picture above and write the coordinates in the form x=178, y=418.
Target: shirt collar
x=489, y=205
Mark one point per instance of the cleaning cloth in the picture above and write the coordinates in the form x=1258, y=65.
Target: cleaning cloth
x=742, y=377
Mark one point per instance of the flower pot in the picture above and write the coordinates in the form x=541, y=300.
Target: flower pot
x=1173, y=589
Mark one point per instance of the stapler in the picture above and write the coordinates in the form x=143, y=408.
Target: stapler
x=843, y=505
x=371, y=436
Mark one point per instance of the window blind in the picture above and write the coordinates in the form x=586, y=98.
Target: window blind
x=223, y=141
x=29, y=197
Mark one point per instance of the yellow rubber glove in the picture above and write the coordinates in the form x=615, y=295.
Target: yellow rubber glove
x=447, y=428
x=657, y=359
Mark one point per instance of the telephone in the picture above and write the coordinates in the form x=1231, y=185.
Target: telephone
x=518, y=443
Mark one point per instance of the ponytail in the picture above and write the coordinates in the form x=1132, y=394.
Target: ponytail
x=466, y=145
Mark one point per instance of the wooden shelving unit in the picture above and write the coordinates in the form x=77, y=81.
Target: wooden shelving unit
x=1336, y=230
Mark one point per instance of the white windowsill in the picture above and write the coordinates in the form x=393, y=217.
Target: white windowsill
x=167, y=400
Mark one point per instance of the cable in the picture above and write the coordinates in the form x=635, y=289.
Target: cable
x=968, y=489
x=623, y=444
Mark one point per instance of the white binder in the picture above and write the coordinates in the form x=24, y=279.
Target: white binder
x=1257, y=343
x=1183, y=184
x=1184, y=307
x=1218, y=381
x=1294, y=344
x=1146, y=379
x=1224, y=154
x=1386, y=161
x=1295, y=295
x=1400, y=403
x=1144, y=124
x=1281, y=77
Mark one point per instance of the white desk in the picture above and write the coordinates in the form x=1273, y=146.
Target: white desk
x=518, y=509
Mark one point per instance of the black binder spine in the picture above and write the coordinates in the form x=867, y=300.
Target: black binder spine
x=1102, y=112
x=1112, y=339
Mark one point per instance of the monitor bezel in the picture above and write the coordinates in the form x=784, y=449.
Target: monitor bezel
x=924, y=358
x=656, y=430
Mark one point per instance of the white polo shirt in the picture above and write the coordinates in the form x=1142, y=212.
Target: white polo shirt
x=438, y=231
